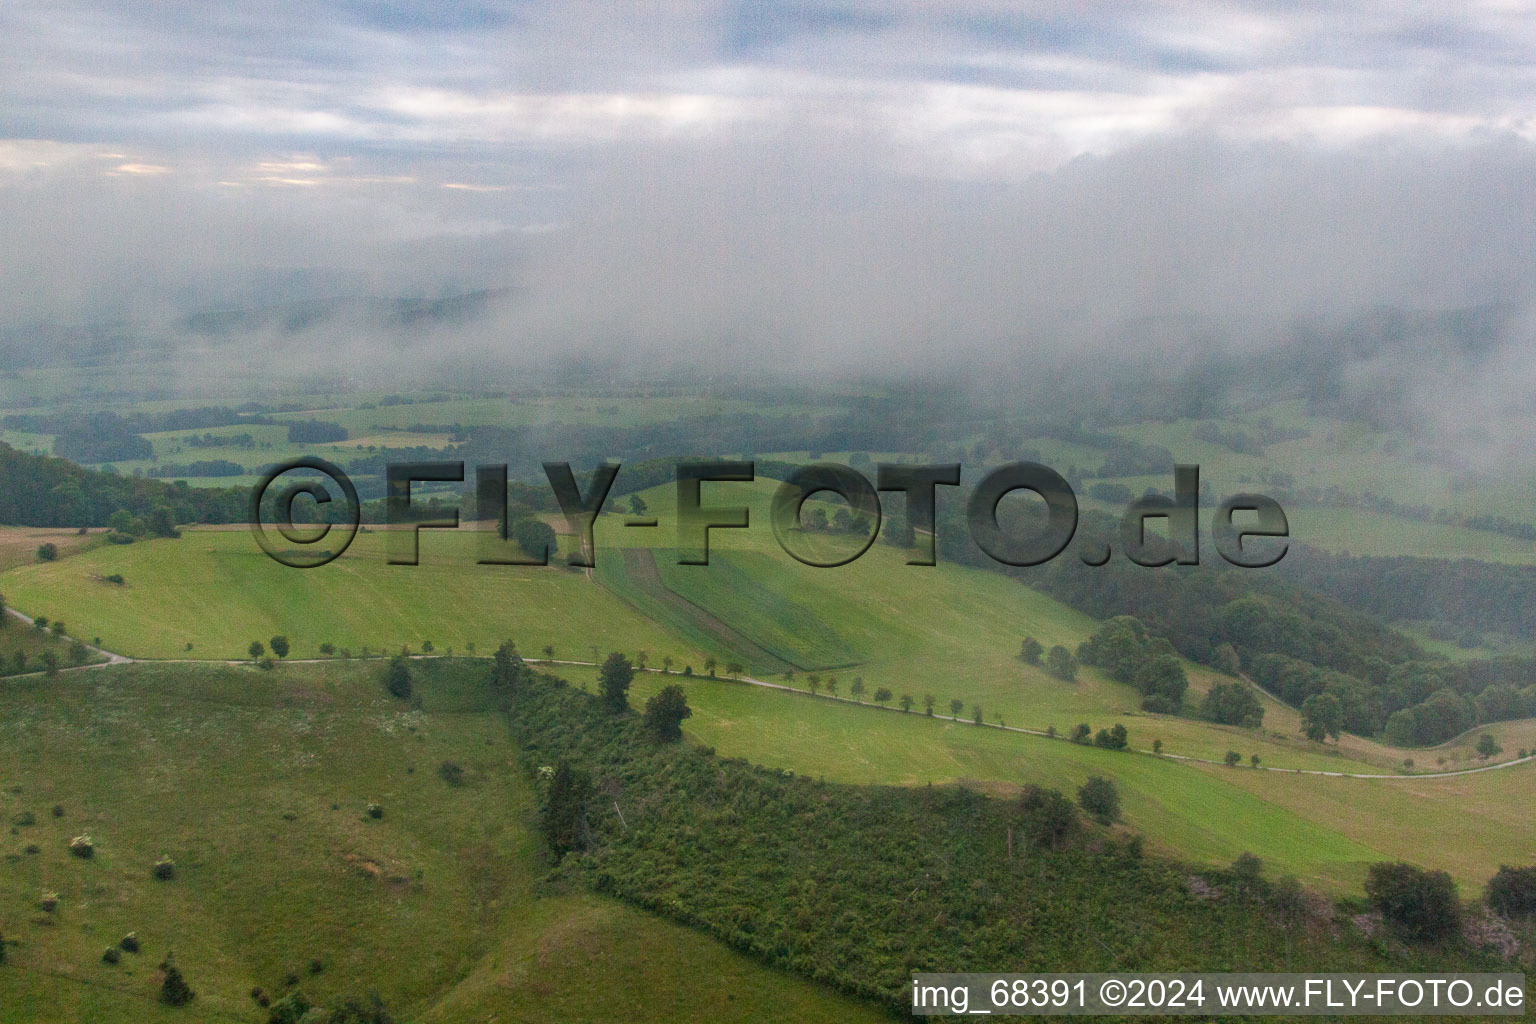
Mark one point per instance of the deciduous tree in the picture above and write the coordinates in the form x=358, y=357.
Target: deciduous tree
x=664, y=714
x=1099, y=798
x=1322, y=716
x=1061, y=664
x=1030, y=650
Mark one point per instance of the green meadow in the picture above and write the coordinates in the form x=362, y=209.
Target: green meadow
x=256, y=785
x=217, y=591
x=944, y=630
x=1324, y=830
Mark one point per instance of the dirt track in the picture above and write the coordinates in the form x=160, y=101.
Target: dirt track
x=640, y=565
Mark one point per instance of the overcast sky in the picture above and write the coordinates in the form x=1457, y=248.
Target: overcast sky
x=856, y=184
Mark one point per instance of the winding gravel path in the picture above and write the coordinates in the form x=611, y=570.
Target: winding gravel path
x=113, y=658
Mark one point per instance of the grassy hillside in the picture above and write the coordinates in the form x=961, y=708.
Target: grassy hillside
x=1361, y=532
x=866, y=885
x=256, y=784
x=1325, y=830
x=730, y=603
x=947, y=630
x=216, y=590
x=18, y=638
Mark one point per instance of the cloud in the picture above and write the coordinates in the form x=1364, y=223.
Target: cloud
x=150, y=169
x=1040, y=86
x=818, y=186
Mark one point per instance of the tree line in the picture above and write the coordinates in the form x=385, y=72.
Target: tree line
x=1359, y=674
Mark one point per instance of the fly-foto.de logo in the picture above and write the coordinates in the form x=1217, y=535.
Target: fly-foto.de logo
x=317, y=525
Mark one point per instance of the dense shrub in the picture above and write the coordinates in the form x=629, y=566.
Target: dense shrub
x=1112, y=739
x=534, y=537
x=290, y=1009
x=1030, y=650
x=1232, y=704
x=357, y=1011
x=1100, y=799
x=1047, y=819
x=397, y=678
x=563, y=819
x=1060, y=663
x=1247, y=871
x=1512, y=892
x=174, y=990
x=1419, y=904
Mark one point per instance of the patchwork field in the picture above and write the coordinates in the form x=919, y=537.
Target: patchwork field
x=256, y=785
x=19, y=544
